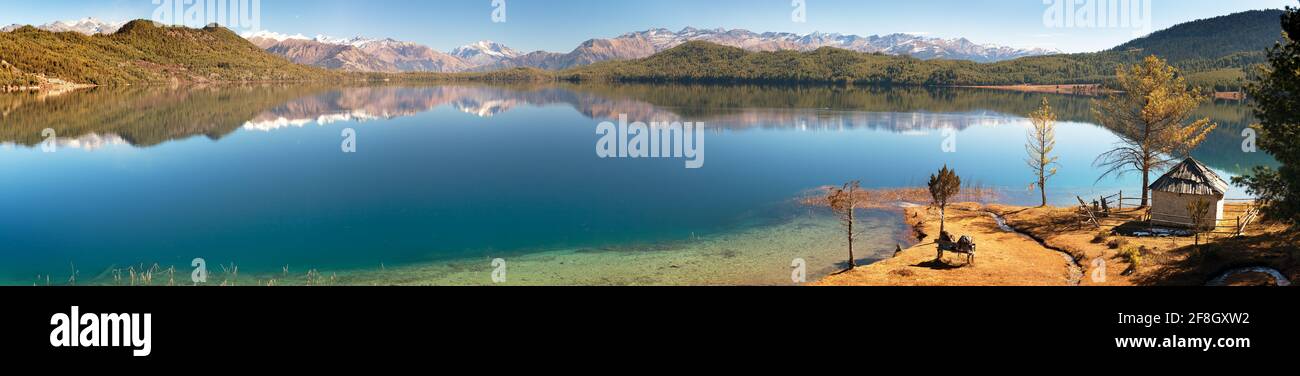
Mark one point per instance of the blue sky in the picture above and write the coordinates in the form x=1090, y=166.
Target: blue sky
x=560, y=25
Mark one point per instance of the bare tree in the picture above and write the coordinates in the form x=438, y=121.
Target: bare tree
x=843, y=201
x=1042, y=141
x=944, y=187
x=1149, y=116
x=1199, y=210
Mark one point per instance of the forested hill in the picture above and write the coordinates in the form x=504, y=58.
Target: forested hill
x=1213, y=53
x=1213, y=38
x=141, y=52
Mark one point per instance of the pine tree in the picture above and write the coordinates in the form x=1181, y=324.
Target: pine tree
x=1276, y=94
x=1149, y=116
x=943, y=187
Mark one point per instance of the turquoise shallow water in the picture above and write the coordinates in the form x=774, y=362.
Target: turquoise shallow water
x=256, y=175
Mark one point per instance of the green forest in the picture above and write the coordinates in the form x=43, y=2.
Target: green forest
x=707, y=62
x=1214, y=54
x=142, y=52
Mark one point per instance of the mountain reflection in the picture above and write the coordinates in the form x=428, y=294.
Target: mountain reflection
x=144, y=117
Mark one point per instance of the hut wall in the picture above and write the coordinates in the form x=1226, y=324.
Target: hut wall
x=1170, y=209
x=1218, y=214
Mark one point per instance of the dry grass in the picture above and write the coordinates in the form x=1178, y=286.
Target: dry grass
x=891, y=198
x=1147, y=261
x=1003, y=258
x=1006, y=259
x=227, y=275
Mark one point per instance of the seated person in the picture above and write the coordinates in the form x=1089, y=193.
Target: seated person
x=965, y=243
x=945, y=240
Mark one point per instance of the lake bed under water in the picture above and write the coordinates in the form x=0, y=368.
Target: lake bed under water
x=446, y=179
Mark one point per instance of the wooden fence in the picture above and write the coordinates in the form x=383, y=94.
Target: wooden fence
x=1105, y=206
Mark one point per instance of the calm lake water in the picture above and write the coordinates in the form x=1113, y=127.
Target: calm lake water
x=445, y=179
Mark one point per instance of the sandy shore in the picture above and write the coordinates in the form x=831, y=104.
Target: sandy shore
x=48, y=86
x=1047, y=241
x=1003, y=258
x=1163, y=260
x=1089, y=89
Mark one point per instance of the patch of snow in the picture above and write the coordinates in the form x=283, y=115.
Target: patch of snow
x=278, y=37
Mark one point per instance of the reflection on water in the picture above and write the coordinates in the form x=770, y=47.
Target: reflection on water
x=145, y=117
x=253, y=174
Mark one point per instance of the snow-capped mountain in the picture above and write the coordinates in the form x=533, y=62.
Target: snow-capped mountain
x=484, y=53
x=645, y=43
x=388, y=55
x=266, y=35
x=357, y=54
x=354, y=41
x=411, y=57
x=88, y=26
x=893, y=44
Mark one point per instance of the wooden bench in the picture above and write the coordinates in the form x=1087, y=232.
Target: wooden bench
x=965, y=246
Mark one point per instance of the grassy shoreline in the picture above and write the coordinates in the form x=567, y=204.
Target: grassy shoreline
x=1003, y=258
x=1050, y=246
x=1009, y=259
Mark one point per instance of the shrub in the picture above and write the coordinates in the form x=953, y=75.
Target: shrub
x=1117, y=243
x=1101, y=237
x=1133, y=256
x=1206, y=255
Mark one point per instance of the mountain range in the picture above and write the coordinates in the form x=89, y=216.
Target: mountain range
x=1213, y=53
x=393, y=56
x=357, y=54
x=88, y=26
x=488, y=55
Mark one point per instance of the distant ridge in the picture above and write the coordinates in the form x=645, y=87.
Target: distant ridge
x=88, y=26
x=1213, y=54
x=140, y=52
x=1213, y=38
x=488, y=55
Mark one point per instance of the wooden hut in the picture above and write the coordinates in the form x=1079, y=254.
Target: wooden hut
x=1189, y=181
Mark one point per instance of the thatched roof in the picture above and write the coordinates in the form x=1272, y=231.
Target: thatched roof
x=1191, y=177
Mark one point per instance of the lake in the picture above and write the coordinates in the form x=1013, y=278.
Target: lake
x=442, y=180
